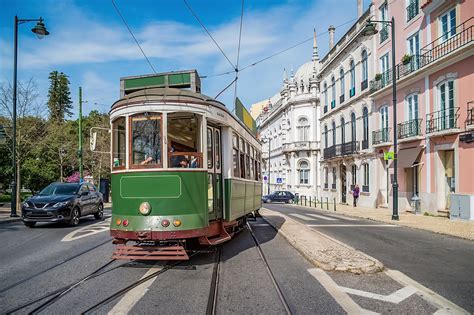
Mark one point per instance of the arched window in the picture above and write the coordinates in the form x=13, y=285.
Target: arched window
x=325, y=136
x=303, y=129
x=343, y=87
x=353, y=127
x=365, y=68
x=343, y=130
x=326, y=103
x=303, y=170
x=333, y=88
x=333, y=133
x=365, y=119
x=353, y=79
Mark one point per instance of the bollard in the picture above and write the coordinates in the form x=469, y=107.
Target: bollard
x=310, y=201
x=305, y=200
x=334, y=204
x=327, y=203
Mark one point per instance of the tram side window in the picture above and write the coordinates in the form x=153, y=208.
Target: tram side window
x=252, y=163
x=235, y=144
x=242, y=158
x=183, y=141
x=146, y=139
x=210, y=151
x=118, y=142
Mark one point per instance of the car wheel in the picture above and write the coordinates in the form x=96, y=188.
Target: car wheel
x=100, y=212
x=30, y=224
x=75, y=215
x=287, y=201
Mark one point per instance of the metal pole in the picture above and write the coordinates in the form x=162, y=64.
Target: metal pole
x=269, y=173
x=334, y=199
x=394, y=94
x=15, y=55
x=81, y=169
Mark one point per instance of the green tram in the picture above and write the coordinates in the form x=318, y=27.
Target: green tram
x=184, y=169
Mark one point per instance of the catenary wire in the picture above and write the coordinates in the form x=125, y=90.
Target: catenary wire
x=208, y=33
x=131, y=33
x=238, y=56
x=230, y=84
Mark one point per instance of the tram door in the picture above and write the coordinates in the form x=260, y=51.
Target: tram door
x=214, y=173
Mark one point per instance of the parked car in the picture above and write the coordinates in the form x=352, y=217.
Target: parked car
x=63, y=202
x=279, y=196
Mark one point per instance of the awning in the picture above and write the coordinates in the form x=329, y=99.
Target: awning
x=407, y=157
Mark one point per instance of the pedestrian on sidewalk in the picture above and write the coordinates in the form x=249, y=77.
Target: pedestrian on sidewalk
x=355, y=194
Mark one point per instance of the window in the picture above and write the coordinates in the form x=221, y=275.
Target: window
x=353, y=175
x=446, y=104
x=210, y=149
x=343, y=88
x=183, y=140
x=333, y=133
x=413, y=43
x=384, y=117
x=303, y=169
x=365, y=186
x=326, y=102
x=353, y=79
x=325, y=136
x=218, y=149
x=412, y=107
x=118, y=142
x=333, y=178
x=333, y=88
x=365, y=120
x=448, y=24
x=146, y=147
x=384, y=69
x=383, y=12
x=326, y=177
x=247, y=161
x=303, y=129
x=343, y=130
x=365, y=66
x=412, y=9
x=353, y=127
x=235, y=157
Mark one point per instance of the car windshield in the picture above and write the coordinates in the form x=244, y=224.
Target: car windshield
x=59, y=189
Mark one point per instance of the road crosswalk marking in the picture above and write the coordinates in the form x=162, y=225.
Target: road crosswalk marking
x=321, y=217
x=300, y=216
x=343, y=217
x=352, y=225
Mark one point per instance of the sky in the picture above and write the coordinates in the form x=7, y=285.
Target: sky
x=89, y=42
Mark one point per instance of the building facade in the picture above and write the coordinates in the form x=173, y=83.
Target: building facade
x=289, y=130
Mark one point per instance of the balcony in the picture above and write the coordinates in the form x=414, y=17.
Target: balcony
x=410, y=128
x=470, y=116
x=333, y=104
x=412, y=10
x=440, y=47
x=364, y=84
x=442, y=120
x=352, y=92
x=365, y=144
x=350, y=148
x=325, y=109
x=340, y=150
x=300, y=146
x=341, y=99
x=383, y=34
x=381, y=136
x=329, y=153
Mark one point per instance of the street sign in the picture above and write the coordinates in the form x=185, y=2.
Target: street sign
x=279, y=180
x=388, y=156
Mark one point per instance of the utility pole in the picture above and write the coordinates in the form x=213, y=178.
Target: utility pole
x=81, y=169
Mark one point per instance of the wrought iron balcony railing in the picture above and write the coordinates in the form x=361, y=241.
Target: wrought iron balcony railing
x=410, y=128
x=440, y=47
x=337, y=150
x=442, y=120
x=380, y=136
x=412, y=10
x=329, y=152
x=383, y=34
x=470, y=114
x=350, y=148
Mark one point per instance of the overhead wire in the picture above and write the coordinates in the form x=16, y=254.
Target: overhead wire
x=230, y=84
x=131, y=33
x=208, y=33
x=238, y=56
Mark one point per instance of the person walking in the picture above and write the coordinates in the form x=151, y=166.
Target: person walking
x=355, y=194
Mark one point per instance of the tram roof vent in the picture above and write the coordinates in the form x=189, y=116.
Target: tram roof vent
x=186, y=79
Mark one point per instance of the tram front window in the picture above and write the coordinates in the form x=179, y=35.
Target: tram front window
x=118, y=144
x=183, y=141
x=146, y=139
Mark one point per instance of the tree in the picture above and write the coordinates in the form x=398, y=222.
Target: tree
x=59, y=97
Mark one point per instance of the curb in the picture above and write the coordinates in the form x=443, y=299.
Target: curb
x=332, y=255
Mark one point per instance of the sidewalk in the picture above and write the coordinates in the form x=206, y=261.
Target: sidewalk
x=441, y=225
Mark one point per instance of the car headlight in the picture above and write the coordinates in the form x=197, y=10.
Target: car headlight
x=25, y=205
x=60, y=204
x=144, y=208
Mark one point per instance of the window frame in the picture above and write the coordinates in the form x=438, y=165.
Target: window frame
x=113, y=143
x=130, y=140
x=303, y=172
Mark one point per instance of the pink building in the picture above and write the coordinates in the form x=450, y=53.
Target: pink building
x=435, y=102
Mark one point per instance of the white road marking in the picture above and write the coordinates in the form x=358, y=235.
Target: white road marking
x=259, y=224
x=343, y=217
x=128, y=301
x=445, y=306
x=352, y=225
x=88, y=231
x=396, y=297
x=302, y=216
x=341, y=297
x=321, y=217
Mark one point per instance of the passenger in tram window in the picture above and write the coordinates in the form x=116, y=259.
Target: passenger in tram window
x=194, y=162
x=148, y=153
x=184, y=163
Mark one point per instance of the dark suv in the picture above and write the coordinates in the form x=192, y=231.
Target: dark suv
x=63, y=202
x=279, y=196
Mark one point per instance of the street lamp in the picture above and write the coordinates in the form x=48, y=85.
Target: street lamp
x=40, y=31
x=370, y=30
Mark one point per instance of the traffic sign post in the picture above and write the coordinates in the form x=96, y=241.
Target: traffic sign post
x=389, y=156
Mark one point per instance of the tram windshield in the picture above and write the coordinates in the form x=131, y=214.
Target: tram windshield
x=146, y=139
x=183, y=141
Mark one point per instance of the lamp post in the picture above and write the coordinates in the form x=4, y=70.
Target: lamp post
x=368, y=31
x=40, y=31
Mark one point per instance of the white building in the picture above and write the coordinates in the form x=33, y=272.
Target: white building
x=289, y=129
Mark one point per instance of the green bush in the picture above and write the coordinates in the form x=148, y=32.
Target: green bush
x=7, y=197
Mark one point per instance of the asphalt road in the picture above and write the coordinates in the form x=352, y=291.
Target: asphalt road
x=442, y=263
x=36, y=262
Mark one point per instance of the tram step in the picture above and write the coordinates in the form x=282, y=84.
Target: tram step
x=221, y=238
x=150, y=252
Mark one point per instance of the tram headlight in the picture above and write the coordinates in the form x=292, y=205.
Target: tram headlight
x=177, y=222
x=145, y=208
x=165, y=223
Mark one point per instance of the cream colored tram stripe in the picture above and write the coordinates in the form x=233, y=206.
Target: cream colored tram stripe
x=128, y=301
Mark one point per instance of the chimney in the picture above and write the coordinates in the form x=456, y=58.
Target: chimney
x=331, y=30
x=359, y=8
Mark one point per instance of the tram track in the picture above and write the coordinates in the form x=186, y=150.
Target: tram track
x=214, y=289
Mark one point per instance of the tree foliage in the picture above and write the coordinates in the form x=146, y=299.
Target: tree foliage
x=59, y=97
